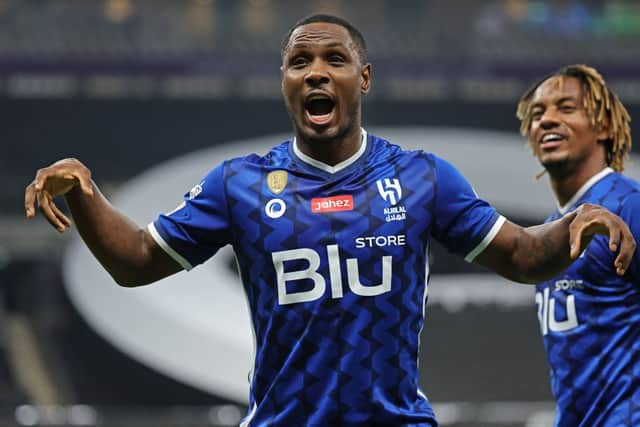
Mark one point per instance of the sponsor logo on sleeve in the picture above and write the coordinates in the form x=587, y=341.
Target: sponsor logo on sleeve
x=197, y=189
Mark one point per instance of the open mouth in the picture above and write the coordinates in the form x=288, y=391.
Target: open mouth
x=319, y=109
x=551, y=140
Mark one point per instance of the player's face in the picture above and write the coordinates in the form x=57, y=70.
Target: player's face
x=323, y=80
x=561, y=134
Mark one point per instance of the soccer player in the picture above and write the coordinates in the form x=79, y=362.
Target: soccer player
x=589, y=315
x=331, y=230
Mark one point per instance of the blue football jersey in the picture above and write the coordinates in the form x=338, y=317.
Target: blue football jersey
x=590, y=320
x=334, y=263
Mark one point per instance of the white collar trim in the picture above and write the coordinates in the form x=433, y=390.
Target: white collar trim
x=336, y=168
x=586, y=186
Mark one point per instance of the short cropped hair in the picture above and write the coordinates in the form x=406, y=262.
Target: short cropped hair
x=356, y=35
x=602, y=105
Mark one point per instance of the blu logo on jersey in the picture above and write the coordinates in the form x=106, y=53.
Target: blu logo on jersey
x=390, y=190
x=547, y=313
x=312, y=258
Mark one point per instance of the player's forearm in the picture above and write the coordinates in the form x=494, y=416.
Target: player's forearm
x=543, y=251
x=534, y=254
x=116, y=241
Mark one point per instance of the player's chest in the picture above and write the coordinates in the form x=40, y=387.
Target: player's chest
x=359, y=210
x=587, y=294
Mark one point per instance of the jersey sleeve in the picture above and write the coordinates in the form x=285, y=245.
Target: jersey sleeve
x=199, y=226
x=629, y=213
x=463, y=223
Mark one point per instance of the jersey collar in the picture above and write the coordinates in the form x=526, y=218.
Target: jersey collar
x=335, y=168
x=586, y=186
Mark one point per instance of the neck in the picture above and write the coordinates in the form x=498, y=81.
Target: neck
x=331, y=151
x=566, y=183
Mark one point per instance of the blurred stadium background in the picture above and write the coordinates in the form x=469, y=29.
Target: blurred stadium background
x=126, y=85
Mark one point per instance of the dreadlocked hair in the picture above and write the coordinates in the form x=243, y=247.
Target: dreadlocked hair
x=602, y=106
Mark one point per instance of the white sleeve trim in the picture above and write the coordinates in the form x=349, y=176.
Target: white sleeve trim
x=487, y=239
x=168, y=249
x=245, y=422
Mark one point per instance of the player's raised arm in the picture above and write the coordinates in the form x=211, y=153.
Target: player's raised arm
x=533, y=254
x=126, y=251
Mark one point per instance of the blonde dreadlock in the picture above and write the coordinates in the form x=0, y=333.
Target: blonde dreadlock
x=602, y=106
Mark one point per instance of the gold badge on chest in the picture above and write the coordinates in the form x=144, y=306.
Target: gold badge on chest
x=277, y=180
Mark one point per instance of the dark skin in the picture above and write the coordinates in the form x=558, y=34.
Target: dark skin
x=320, y=60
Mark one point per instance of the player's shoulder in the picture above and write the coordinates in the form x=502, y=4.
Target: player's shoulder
x=625, y=183
x=615, y=191
x=383, y=148
x=250, y=165
x=277, y=156
x=624, y=189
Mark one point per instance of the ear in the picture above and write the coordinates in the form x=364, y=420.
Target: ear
x=365, y=75
x=603, y=132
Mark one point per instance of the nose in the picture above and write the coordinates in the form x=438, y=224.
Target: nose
x=317, y=74
x=548, y=120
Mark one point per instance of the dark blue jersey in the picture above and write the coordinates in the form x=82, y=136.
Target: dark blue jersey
x=590, y=320
x=334, y=263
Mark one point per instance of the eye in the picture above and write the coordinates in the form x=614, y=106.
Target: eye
x=299, y=61
x=336, y=59
x=536, y=114
x=567, y=108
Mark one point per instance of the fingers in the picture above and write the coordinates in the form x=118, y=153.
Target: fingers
x=577, y=238
x=574, y=250
x=49, y=210
x=54, y=180
x=58, y=213
x=40, y=179
x=29, y=200
x=62, y=176
x=627, y=245
x=614, y=237
x=593, y=220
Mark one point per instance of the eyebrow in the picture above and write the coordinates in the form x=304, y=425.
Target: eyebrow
x=566, y=98
x=559, y=101
x=302, y=45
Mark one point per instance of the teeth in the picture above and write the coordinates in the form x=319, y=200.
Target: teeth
x=551, y=137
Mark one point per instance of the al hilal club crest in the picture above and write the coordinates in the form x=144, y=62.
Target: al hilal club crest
x=276, y=181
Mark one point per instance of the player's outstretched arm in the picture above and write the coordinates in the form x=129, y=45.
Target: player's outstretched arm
x=126, y=251
x=534, y=254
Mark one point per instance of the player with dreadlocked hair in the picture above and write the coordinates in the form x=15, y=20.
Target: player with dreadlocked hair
x=601, y=105
x=589, y=316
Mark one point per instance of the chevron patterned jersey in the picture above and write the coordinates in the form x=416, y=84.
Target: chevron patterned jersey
x=334, y=263
x=590, y=320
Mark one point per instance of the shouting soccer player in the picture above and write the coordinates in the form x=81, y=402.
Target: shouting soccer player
x=589, y=315
x=331, y=230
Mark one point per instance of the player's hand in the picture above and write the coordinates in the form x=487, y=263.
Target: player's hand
x=56, y=180
x=591, y=220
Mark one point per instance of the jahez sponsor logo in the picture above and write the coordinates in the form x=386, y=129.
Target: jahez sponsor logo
x=332, y=204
